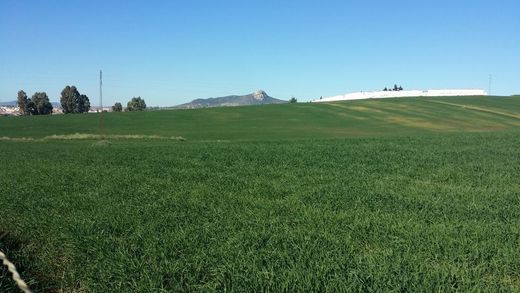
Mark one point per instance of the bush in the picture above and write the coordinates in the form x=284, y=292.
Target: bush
x=136, y=104
x=117, y=107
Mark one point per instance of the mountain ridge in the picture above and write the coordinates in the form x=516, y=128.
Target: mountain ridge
x=15, y=104
x=257, y=98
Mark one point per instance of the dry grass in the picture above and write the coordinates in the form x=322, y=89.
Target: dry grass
x=86, y=136
x=81, y=136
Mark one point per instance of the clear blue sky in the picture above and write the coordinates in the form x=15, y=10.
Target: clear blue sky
x=169, y=52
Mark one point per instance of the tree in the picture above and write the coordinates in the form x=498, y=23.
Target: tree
x=385, y=89
x=31, y=108
x=117, y=107
x=395, y=87
x=22, y=103
x=69, y=98
x=42, y=106
x=82, y=104
x=400, y=88
x=136, y=104
x=293, y=100
x=74, y=102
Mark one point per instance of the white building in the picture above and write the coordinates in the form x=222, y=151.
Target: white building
x=5, y=110
x=403, y=94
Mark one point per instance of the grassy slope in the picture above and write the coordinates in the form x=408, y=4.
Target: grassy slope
x=343, y=119
x=430, y=212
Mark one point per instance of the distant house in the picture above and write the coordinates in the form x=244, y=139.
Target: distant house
x=97, y=109
x=9, y=110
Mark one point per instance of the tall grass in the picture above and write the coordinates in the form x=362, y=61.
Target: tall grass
x=421, y=213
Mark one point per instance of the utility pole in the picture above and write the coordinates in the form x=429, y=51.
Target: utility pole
x=101, y=104
x=490, y=81
x=101, y=90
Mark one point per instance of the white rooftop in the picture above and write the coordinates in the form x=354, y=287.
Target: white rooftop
x=403, y=94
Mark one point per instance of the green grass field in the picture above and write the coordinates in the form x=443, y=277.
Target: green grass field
x=291, y=121
x=378, y=195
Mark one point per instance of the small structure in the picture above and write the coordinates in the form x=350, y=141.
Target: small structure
x=403, y=94
x=9, y=110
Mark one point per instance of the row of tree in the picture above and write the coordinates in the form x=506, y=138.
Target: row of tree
x=38, y=104
x=71, y=102
x=395, y=89
x=135, y=104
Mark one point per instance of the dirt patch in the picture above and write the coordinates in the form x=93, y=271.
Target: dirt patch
x=5, y=138
x=82, y=136
x=85, y=136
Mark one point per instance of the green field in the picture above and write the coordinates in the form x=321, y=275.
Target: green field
x=289, y=121
x=419, y=194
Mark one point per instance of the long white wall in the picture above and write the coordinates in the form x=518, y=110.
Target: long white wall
x=403, y=94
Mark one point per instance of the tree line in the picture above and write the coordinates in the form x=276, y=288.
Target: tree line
x=395, y=89
x=71, y=100
x=38, y=104
x=135, y=104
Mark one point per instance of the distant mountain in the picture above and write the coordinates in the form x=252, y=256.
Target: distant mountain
x=15, y=104
x=8, y=104
x=256, y=98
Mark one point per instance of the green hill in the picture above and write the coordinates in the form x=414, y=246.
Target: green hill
x=289, y=121
x=401, y=195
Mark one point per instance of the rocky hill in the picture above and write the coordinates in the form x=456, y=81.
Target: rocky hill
x=257, y=98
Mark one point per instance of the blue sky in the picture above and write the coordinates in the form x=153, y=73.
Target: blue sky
x=169, y=52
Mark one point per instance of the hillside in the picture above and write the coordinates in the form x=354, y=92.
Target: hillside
x=289, y=121
x=257, y=98
x=374, y=196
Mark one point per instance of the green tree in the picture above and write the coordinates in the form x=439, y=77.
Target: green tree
x=22, y=103
x=136, y=104
x=31, y=108
x=293, y=100
x=117, y=107
x=74, y=102
x=42, y=106
x=82, y=104
x=69, y=98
